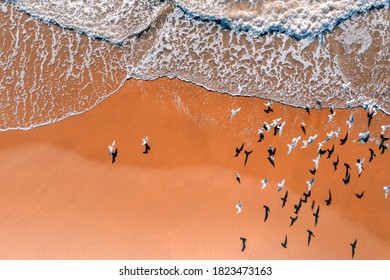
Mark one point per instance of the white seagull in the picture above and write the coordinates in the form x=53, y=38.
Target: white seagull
x=336, y=133
x=310, y=184
x=239, y=207
x=384, y=127
x=350, y=121
x=281, y=128
x=264, y=183
x=281, y=185
x=234, y=112
x=293, y=145
x=145, y=141
x=275, y=122
x=317, y=160
x=359, y=165
x=331, y=116
x=111, y=148
x=386, y=189
x=309, y=141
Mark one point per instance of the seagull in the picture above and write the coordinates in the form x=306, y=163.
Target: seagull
x=370, y=116
x=383, y=139
x=350, y=121
x=336, y=133
x=234, y=112
x=271, y=151
x=114, y=155
x=363, y=137
x=307, y=108
x=266, y=212
x=284, y=199
x=266, y=126
x=309, y=237
x=335, y=163
x=281, y=185
x=247, y=155
x=238, y=178
x=243, y=239
x=310, y=184
x=264, y=183
x=293, y=145
x=275, y=122
x=316, y=215
x=372, y=155
x=329, y=200
x=317, y=160
x=239, y=150
x=359, y=165
x=111, y=147
x=145, y=142
x=260, y=132
x=284, y=244
x=269, y=108
x=384, y=127
x=293, y=220
x=281, y=127
x=331, y=116
x=349, y=102
x=359, y=195
x=239, y=207
x=386, y=189
x=309, y=141
x=353, y=247
x=303, y=127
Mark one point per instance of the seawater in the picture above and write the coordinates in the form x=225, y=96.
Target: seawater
x=60, y=57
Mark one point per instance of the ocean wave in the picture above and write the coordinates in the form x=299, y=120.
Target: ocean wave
x=296, y=18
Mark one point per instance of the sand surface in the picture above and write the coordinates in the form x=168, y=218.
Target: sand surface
x=62, y=198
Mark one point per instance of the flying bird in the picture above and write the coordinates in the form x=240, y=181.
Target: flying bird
x=234, y=113
x=261, y=135
x=359, y=195
x=269, y=107
x=271, y=150
x=247, y=155
x=298, y=206
x=316, y=215
x=331, y=116
x=350, y=121
x=243, y=239
x=364, y=136
x=239, y=207
x=310, y=184
x=309, y=141
x=353, y=245
x=293, y=144
x=386, y=189
x=239, y=150
x=317, y=161
x=309, y=237
x=372, y=155
x=238, y=178
x=306, y=196
x=281, y=185
x=284, y=244
x=329, y=200
x=111, y=148
x=344, y=140
x=303, y=127
x=264, y=182
x=359, y=165
x=284, y=199
x=266, y=212
x=145, y=142
x=114, y=155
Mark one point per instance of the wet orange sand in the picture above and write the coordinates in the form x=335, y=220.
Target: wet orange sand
x=62, y=198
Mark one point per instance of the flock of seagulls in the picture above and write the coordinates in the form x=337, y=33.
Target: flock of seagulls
x=277, y=126
x=113, y=151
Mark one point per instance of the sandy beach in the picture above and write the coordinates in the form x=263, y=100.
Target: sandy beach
x=62, y=198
